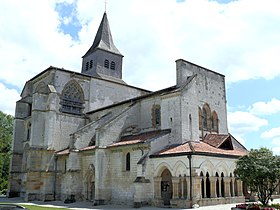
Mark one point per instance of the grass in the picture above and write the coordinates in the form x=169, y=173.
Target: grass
x=35, y=207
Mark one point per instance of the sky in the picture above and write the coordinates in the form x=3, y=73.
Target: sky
x=237, y=38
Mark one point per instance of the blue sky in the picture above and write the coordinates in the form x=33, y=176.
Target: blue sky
x=239, y=39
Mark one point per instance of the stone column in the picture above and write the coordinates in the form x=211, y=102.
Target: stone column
x=220, y=186
x=157, y=187
x=239, y=187
x=196, y=193
x=232, y=185
x=182, y=187
x=188, y=187
x=213, y=187
x=204, y=181
x=175, y=183
x=227, y=186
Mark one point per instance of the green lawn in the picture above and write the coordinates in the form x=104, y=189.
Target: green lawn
x=34, y=207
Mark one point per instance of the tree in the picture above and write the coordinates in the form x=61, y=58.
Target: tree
x=260, y=170
x=6, y=132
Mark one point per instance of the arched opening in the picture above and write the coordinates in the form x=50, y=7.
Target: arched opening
x=222, y=185
x=166, y=186
x=90, y=183
x=185, y=187
x=217, y=185
x=235, y=187
x=208, y=189
x=202, y=185
x=180, y=187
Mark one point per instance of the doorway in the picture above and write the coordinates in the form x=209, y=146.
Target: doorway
x=166, y=187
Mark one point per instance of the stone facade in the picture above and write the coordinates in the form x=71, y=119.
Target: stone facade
x=90, y=136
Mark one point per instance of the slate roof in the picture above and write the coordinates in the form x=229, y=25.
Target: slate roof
x=209, y=146
x=103, y=38
x=140, y=138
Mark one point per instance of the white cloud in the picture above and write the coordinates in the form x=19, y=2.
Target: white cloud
x=8, y=99
x=272, y=133
x=265, y=108
x=274, y=136
x=238, y=39
x=241, y=123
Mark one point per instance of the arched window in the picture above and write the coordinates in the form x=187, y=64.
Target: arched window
x=90, y=64
x=217, y=185
x=106, y=63
x=206, y=116
x=156, y=115
x=72, y=98
x=208, y=186
x=200, y=118
x=214, y=122
x=127, y=162
x=86, y=66
x=113, y=65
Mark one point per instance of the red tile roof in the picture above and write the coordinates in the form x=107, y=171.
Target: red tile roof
x=210, y=145
x=88, y=148
x=215, y=140
x=63, y=152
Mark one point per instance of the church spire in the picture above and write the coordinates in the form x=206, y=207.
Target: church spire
x=103, y=38
x=103, y=59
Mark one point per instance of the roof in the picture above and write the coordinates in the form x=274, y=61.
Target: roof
x=50, y=68
x=103, y=39
x=215, y=140
x=63, y=152
x=211, y=145
x=140, y=138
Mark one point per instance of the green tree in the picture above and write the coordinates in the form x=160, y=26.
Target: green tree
x=260, y=170
x=6, y=132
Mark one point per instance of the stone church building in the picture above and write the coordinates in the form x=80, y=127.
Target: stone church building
x=91, y=136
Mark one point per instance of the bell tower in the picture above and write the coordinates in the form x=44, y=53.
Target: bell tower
x=103, y=59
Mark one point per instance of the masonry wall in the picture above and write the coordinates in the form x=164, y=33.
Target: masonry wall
x=204, y=87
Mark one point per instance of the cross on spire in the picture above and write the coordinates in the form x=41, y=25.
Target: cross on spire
x=105, y=2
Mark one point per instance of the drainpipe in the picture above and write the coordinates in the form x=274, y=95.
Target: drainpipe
x=190, y=166
x=55, y=174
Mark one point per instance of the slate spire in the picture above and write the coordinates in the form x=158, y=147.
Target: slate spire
x=103, y=38
x=103, y=59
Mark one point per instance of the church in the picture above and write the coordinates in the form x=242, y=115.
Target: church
x=90, y=136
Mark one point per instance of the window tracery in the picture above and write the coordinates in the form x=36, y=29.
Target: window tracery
x=72, y=98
